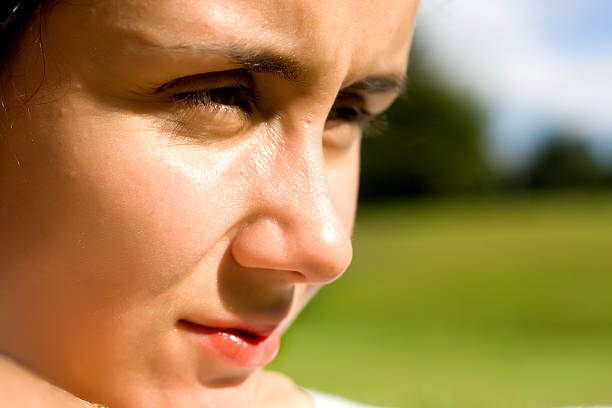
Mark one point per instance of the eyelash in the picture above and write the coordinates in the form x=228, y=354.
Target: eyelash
x=352, y=114
x=245, y=99
x=235, y=96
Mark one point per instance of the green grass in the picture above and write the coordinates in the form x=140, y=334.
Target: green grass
x=466, y=303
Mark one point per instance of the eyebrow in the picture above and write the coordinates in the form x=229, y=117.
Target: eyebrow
x=261, y=61
x=256, y=61
x=380, y=84
x=264, y=62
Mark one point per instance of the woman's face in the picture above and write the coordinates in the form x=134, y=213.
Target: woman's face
x=179, y=182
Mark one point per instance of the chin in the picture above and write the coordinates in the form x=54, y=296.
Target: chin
x=234, y=390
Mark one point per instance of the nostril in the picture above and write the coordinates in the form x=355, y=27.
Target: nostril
x=265, y=293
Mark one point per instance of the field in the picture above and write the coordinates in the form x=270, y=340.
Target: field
x=466, y=303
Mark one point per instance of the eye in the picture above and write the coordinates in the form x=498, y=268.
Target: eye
x=354, y=114
x=348, y=114
x=349, y=108
x=237, y=96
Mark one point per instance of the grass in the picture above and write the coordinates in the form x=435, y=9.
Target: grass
x=466, y=303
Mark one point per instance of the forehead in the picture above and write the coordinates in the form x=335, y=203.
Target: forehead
x=354, y=36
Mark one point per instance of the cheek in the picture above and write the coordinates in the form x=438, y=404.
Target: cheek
x=154, y=210
x=343, y=183
x=111, y=219
x=121, y=212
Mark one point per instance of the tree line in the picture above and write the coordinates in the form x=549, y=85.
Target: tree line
x=433, y=143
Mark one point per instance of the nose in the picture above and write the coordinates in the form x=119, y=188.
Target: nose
x=294, y=228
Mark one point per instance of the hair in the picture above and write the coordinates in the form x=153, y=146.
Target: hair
x=15, y=17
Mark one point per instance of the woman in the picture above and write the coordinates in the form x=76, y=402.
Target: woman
x=178, y=178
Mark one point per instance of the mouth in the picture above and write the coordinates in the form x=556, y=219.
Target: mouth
x=244, y=347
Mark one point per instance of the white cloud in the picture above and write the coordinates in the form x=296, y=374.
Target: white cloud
x=519, y=55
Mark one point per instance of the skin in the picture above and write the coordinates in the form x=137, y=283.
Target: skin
x=126, y=209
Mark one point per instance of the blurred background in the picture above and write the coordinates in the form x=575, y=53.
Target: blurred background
x=483, y=245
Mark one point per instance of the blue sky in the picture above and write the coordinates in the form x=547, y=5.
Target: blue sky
x=533, y=64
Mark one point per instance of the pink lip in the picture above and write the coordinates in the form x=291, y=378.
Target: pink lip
x=243, y=348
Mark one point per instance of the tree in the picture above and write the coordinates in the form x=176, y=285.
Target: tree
x=564, y=162
x=433, y=143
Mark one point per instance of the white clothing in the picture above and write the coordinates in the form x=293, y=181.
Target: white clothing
x=323, y=400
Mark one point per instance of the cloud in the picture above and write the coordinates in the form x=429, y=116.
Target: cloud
x=549, y=59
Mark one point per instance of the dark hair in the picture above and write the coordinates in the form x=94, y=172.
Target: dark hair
x=15, y=16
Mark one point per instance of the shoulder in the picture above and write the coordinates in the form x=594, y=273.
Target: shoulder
x=323, y=400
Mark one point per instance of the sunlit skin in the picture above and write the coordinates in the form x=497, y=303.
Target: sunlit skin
x=160, y=174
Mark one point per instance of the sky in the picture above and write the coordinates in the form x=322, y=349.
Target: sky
x=533, y=64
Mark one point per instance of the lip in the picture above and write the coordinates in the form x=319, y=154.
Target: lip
x=242, y=347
